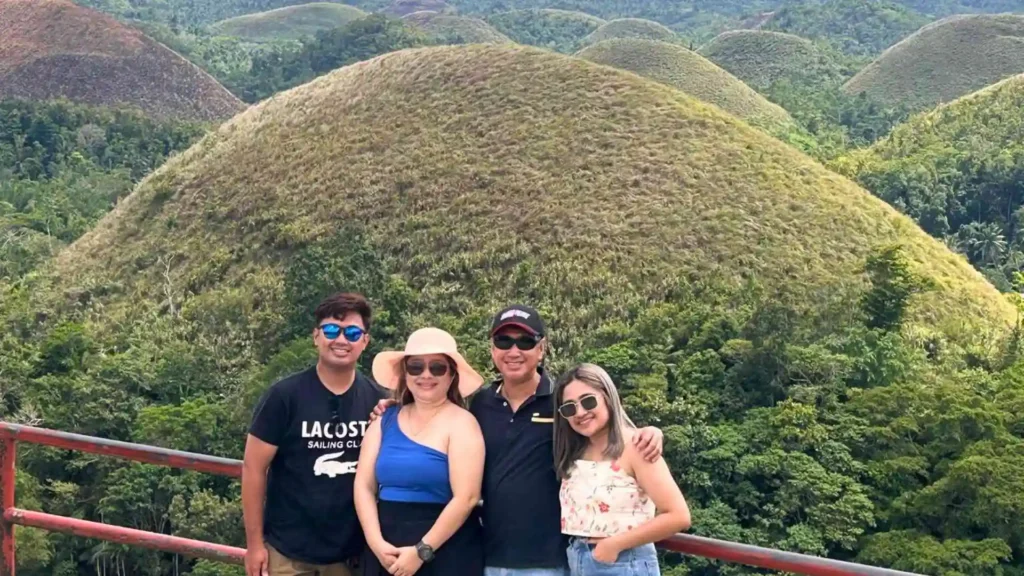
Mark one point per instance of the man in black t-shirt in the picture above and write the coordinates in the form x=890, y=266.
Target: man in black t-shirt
x=302, y=450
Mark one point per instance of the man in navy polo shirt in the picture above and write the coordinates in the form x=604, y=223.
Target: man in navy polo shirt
x=521, y=510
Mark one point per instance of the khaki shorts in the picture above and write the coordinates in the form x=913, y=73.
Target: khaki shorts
x=283, y=566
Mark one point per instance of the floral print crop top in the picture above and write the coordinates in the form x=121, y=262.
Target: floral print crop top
x=599, y=499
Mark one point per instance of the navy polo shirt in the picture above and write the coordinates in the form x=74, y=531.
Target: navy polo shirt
x=521, y=511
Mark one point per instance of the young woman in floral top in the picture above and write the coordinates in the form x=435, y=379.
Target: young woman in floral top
x=615, y=504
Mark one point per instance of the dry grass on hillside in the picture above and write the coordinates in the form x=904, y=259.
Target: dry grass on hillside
x=631, y=28
x=944, y=61
x=290, y=22
x=53, y=48
x=692, y=73
x=488, y=173
x=760, y=58
x=400, y=8
x=462, y=29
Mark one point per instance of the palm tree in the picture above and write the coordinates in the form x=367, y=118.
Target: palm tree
x=985, y=242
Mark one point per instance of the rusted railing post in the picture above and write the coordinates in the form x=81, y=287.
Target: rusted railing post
x=7, y=452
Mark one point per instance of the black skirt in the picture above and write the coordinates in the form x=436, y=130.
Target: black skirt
x=406, y=523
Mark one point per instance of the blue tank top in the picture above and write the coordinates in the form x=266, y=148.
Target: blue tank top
x=408, y=471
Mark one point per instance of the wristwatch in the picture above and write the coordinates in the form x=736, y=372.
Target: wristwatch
x=424, y=551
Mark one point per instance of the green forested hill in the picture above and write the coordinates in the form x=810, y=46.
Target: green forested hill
x=559, y=30
x=959, y=171
x=277, y=70
x=857, y=27
x=64, y=165
x=946, y=7
x=681, y=15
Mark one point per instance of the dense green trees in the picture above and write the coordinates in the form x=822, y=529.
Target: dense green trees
x=958, y=171
x=858, y=27
x=63, y=166
x=557, y=30
x=837, y=121
x=853, y=440
x=280, y=69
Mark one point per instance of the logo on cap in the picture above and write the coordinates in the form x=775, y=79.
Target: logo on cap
x=519, y=313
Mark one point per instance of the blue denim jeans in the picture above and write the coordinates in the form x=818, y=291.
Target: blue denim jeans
x=639, y=561
x=492, y=571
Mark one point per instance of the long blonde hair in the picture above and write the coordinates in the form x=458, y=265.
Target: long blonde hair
x=569, y=444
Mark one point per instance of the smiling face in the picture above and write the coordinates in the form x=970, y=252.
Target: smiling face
x=587, y=406
x=429, y=378
x=516, y=353
x=334, y=346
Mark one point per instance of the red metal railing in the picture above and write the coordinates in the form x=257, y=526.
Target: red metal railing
x=10, y=434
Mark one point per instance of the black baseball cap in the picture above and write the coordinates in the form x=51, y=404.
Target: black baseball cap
x=521, y=317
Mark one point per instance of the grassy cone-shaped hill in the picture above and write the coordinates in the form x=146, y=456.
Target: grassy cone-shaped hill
x=944, y=61
x=488, y=173
x=457, y=29
x=290, y=22
x=400, y=8
x=630, y=28
x=56, y=49
x=760, y=58
x=692, y=73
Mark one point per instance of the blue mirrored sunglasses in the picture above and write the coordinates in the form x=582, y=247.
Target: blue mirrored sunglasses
x=332, y=331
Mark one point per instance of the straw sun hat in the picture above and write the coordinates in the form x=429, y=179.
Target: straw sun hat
x=387, y=364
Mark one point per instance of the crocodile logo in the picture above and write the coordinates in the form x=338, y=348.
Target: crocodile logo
x=326, y=465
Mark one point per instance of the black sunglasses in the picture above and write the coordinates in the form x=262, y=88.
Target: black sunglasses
x=570, y=408
x=416, y=367
x=335, y=405
x=506, y=342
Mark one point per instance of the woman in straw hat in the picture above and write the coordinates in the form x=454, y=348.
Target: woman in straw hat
x=421, y=464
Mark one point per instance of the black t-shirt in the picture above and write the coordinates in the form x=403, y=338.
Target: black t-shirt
x=310, y=514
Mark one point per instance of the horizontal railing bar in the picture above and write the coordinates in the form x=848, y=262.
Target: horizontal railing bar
x=683, y=543
x=127, y=450
x=129, y=536
x=770, y=558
